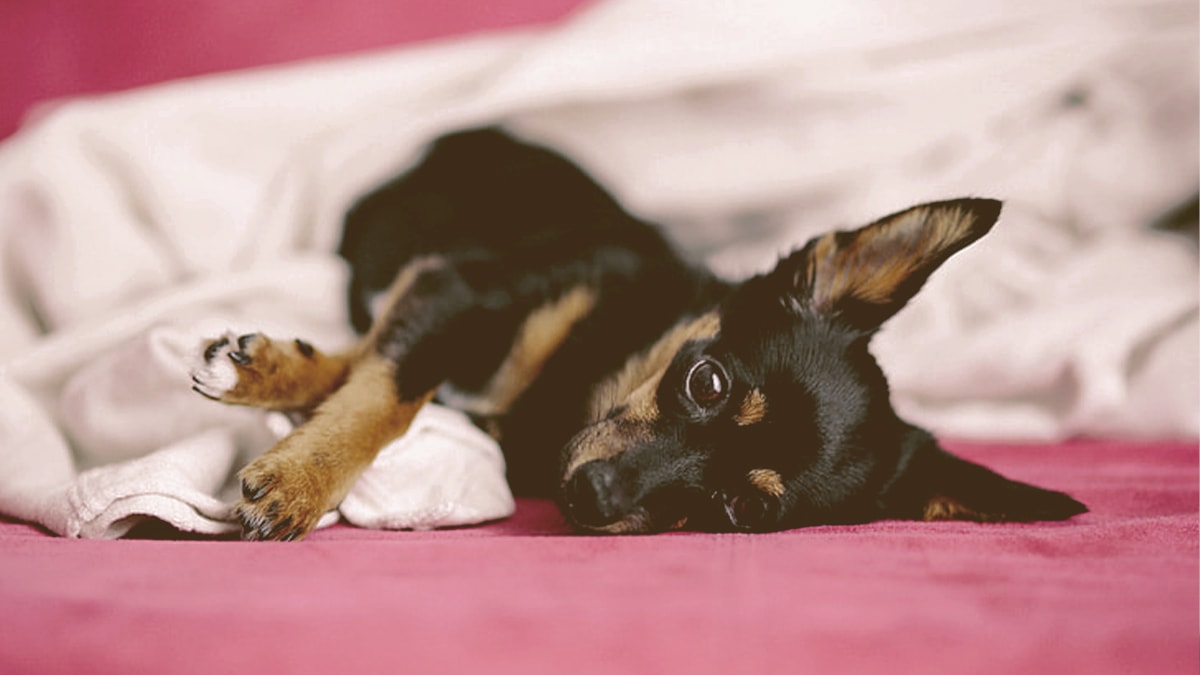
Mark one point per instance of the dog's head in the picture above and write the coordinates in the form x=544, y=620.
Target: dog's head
x=769, y=412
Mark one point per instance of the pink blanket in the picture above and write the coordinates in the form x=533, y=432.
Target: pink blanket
x=1113, y=591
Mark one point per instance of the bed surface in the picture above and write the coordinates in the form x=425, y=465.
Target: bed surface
x=1112, y=591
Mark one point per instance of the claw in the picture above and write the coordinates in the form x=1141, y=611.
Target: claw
x=211, y=350
x=281, y=526
x=203, y=393
x=305, y=348
x=240, y=358
x=250, y=531
x=253, y=494
x=245, y=340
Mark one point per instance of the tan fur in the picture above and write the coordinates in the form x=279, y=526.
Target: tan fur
x=629, y=386
x=404, y=280
x=538, y=339
x=355, y=412
x=881, y=257
x=638, y=521
x=635, y=522
x=752, y=410
x=310, y=471
x=607, y=439
x=279, y=377
x=635, y=387
x=945, y=508
x=767, y=480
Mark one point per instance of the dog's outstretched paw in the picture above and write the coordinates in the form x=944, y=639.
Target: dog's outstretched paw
x=281, y=501
x=222, y=364
x=252, y=369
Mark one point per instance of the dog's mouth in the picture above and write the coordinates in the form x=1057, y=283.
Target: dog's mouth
x=680, y=509
x=640, y=521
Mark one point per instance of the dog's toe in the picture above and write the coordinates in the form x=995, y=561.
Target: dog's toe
x=214, y=348
x=253, y=492
x=278, y=503
x=214, y=375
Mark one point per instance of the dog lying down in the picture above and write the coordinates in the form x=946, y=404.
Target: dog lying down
x=639, y=390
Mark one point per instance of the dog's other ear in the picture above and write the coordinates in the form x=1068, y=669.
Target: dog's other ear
x=936, y=485
x=864, y=276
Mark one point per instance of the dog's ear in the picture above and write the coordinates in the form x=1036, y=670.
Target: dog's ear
x=939, y=486
x=864, y=276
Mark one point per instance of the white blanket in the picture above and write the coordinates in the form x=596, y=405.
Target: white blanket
x=134, y=225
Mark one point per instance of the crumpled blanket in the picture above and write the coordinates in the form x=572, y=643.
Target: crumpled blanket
x=136, y=224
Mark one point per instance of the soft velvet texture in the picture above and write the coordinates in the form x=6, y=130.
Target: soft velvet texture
x=1112, y=591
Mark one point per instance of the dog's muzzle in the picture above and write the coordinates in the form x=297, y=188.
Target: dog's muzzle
x=594, y=497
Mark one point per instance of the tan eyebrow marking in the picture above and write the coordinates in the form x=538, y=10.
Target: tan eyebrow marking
x=752, y=410
x=945, y=508
x=636, y=383
x=767, y=480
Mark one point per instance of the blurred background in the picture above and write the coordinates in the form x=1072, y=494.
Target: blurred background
x=57, y=48
x=184, y=167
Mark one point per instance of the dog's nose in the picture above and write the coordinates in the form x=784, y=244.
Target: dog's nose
x=594, y=495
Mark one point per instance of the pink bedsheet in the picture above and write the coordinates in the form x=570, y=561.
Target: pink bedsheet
x=56, y=48
x=1113, y=591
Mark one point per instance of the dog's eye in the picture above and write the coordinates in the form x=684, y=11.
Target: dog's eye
x=707, y=384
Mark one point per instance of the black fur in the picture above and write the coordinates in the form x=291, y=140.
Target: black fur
x=516, y=226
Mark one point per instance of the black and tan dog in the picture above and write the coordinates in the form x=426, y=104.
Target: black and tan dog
x=641, y=391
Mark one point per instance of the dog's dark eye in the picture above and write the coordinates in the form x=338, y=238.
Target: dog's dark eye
x=707, y=384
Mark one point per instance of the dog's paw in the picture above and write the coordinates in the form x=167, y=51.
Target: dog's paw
x=282, y=500
x=218, y=371
x=252, y=369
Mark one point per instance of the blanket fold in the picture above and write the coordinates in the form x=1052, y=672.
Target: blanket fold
x=133, y=226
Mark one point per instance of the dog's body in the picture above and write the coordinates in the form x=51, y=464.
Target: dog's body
x=641, y=391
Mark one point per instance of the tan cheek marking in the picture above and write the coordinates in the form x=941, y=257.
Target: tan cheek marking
x=605, y=440
x=945, y=508
x=636, y=387
x=767, y=480
x=636, y=523
x=752, y=410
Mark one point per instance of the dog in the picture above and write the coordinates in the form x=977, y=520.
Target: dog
x=635, y=387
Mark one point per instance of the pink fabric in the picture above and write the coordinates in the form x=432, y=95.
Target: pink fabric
x=1113, y=591
x=56, y=48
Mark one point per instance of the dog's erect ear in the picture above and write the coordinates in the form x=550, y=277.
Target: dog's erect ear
x=940, y=486
x=864, y=276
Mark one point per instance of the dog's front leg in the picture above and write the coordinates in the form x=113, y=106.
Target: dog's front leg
x=254, y=370
x=287, y=489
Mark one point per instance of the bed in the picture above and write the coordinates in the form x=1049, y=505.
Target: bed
x=1063, y=353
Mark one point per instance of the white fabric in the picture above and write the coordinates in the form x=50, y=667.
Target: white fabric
x=133, y=225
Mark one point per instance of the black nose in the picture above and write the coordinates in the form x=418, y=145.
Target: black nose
x=594, y=495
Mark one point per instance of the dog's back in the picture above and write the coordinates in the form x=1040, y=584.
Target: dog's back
x=513, y=215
